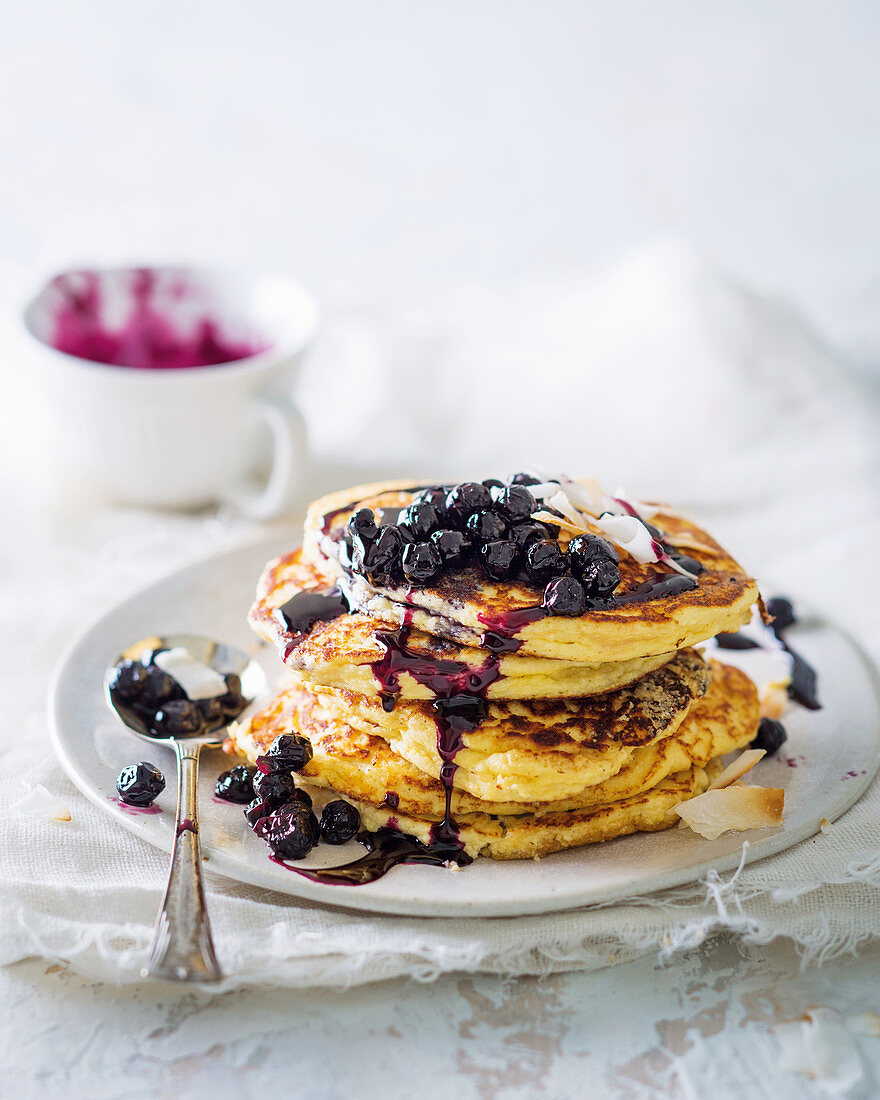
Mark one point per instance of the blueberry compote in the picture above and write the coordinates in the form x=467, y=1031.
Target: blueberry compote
x=306, y=608
x=140, y=784
x=802, y=687
x=154, y=702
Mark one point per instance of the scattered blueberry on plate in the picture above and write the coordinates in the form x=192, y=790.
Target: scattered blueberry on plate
x=140, y=784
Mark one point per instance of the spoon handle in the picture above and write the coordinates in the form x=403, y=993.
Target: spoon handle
x=183, y=950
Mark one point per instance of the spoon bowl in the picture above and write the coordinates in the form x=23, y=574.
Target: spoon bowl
x=183, y=948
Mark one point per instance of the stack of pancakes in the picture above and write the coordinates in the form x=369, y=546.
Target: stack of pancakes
x=457, y=714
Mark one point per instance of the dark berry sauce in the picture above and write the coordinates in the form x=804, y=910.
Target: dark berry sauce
x=662, y=585
x=129, y=809
x=441, y=677
x=802, y=687
x=459, y=706
x=501, y=637
x=311, y=606
x=387, y=848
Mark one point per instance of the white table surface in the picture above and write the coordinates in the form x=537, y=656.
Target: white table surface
x=697, y=1028
x=390, y=154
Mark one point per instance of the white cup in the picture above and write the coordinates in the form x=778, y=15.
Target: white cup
x=187, y=436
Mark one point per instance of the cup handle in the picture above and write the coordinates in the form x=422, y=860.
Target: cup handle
x=289, y=460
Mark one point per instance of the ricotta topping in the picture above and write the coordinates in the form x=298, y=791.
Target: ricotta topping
x=197, y=680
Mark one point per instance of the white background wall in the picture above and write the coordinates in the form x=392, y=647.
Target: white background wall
x=419, y=164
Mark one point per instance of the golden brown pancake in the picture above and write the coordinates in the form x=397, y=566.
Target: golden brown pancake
x=533, y=836
x=342, y=652
x=363, y=766
x=464, y=605
x=536, y=750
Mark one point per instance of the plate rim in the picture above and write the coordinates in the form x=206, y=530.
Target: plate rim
x=365, y=898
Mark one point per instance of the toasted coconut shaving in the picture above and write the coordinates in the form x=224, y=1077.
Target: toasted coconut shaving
x=145, y=645
x=687, y=542
x=737, y=769
x=559, y=521
x=585, y=505
x=42, y=804
x=732, y=809
x=773, y=699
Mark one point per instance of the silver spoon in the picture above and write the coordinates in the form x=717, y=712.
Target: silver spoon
x=183, y=949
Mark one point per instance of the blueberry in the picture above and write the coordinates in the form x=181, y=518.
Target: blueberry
x=177, y=718
x=486, y=527
x=421, y=519
x=601, y=578
x=421, y=562
x=544, y=561
x=435, y=495
x=128, y=680
x=770, y=736
x=340, y=821
x=524, y=479
x=783, y=613
x=453, y=547
x=303, y=797
x=524, y=534
x=382, y=562
x=565, y=596
x=256, y=811
x=492, y=483
x=288, y=834
x=233, y=683
x=516, y=503
x=236, y=785
x=140, y=784
x=465, y=499
x=275, y=788
x=499, y=559
x=288, y=752
x=159, y=688
x=233, y=701
x=363, y=524
x=213, y=714
x=585, y=550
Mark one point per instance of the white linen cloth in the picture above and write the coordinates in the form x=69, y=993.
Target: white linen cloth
x=663, y=377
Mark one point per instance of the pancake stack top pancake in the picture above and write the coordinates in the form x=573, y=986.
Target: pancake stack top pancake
x=504, y=669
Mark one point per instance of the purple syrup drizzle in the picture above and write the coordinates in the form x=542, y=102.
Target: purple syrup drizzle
x=459, y=706
x=129, y=809
x=501, y=637
x=146, y=339
x=306, y=608
x=187, y=826
x=665, y=585
x=386, y=849
x=803, y=686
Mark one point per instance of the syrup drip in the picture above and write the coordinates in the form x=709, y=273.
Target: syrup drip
x=459, y=706
x=501, y=637
x=662, y=585
x=311, y=606
x=802, y=687
x=386, y=849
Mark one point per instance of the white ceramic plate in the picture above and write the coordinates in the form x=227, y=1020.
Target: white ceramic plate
x=829, y=759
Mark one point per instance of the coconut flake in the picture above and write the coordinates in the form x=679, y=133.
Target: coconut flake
x=737, y=768
x=821, y=1046
x=630, y=534
x=42, y=804
x=732, y=809
x=198, y=680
